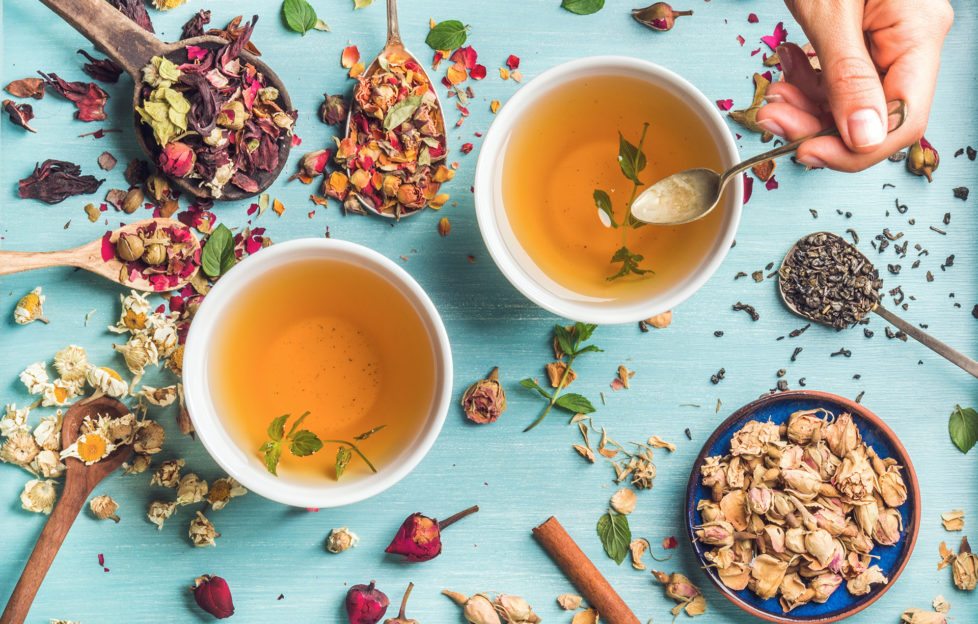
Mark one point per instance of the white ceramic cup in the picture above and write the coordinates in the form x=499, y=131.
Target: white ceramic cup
x=245, y=464
x=497, y=231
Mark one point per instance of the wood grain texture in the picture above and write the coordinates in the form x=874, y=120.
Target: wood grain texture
x=518, y=480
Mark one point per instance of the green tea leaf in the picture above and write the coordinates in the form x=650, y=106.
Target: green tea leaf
x=304, y=442
x=343, y=457
x=299, y=15
x=630, y=159
x=296, y=424
x=963, y=427
x=574, y=403
x=401, y=112
x=532, y=385
x=565, y=340
x=447, y=35
x=217, y=257
x=615, y=535
x=603, y=202
x=276, y=430
x=583, y=7
x=272, y=451
x=367, y=434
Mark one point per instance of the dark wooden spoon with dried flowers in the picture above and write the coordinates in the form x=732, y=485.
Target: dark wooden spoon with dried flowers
x=133, y=49
x=80, y=480
x=404, y=192
x=825, y=279
x=152, y=255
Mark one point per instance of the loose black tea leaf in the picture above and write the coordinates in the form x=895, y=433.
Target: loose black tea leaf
x=961, y=193
x=749, y=309
x=53, y=181
x=715, y=379
x=826, y=278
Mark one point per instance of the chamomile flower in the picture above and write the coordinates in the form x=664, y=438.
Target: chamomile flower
x=106, y=381
x=48, y=464
x=15, y=420
x=35, y=377
x=161, y=397
x=159, y=511
x=38, y=496
x=163, y=331
x=47, y=434
x=135, y=313
x=191, y=489
x=202, y=532
x=71, y=363
x=30, y=308
x=90, y=447
x=139, y=352
x=59, y=393
x=175, y=363
x=20, y=449
x=223, y=490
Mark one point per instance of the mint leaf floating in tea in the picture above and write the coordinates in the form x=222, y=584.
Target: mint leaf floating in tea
x=447, y=35
x=302, y=443
x=419, y=538
x=570, y=344
x=963, y=427
x=218, y=254
x=615, y=535
x=299, y=15
x=659, y=16
x=629, y=263
x=583, y=7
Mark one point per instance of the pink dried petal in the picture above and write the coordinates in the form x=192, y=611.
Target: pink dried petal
x=780, y=36
x=755, y=51
x=296, y=141
x=195, y=53
x=101, y=559
x=752, y=18
x=467, y=55
x=616, y=384
x=252, y=209
x=669, y=543
x=766, y=75
x=466, y=148
x=771, y=184
x=725, y=105
x=513, y=62
x=741, y=40
x=748, y=188
x=108, y=249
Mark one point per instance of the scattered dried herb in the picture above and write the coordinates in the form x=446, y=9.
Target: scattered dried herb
x=334, y=109
x=748, y=116
x=88, y=97
x=582, y=7
x=105, y=70
x=963, y=427
x=20, y=114
x=164, y=256
x=615, y=535
x=923, y=159
x=961, y=192
x=53, y=181
x=749, y=309
x=26, y=87
x=570, y=342
x=659, y=16
x=136, y=11
x=194, y=27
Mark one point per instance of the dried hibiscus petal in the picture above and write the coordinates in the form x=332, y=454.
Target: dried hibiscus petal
x=26, y=87
x=87, y=96
x=780, y=36
x=233, y=31
x=195, y=25
x=513, y=62
x=19, y=114
x=105, y=70
x=53, y=181
x=136, y=11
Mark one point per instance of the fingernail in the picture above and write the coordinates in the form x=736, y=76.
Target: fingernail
x=774, y=98
x=811, y=161
x=865, y=128
x=771, y=126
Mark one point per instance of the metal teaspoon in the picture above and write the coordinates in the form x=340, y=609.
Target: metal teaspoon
x=690, y=195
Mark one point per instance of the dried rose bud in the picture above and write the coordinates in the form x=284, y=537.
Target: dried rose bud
x=888, y=527
x=340, y=540
x=892, y=488
x=515, y=610
x=401, y=618
x=213, y=595
x=104, y=507
x=233, y=115
x=154, y=254
x=419, y=538
x=759, y=500
x=914, y=615
x=485, y=400
x=923, y=159
x=824, y=585
x=479, y=609
x=333, y=110
x=365, y=604
x=718, y=533
x=129, y=247
x=803, y=426
x=312, y=164
x=819, y=544
x=658, y=16
x=830, y=520
x=802, y=482
x=177, y=159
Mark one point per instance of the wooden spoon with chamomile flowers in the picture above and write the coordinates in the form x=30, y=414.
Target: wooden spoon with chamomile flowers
x=80, y=480
x=93, y=257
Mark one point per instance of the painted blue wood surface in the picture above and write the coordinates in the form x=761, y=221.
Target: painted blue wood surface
x=267, y=550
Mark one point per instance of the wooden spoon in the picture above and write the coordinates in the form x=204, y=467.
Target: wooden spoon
x=80, y=480
x=954, y=356
x=394, y=45
x=132, y=48
x=89, y=257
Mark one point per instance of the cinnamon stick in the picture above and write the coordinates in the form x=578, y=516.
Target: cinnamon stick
x=582, y=573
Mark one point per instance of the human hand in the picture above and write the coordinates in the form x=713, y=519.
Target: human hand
x=871, y=51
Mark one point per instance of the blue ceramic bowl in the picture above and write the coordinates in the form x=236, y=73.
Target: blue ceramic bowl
x=891, y=559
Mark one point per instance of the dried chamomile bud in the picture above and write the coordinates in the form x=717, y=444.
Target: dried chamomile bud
x=860, y=585
x=159, y=511
x=139, y=352
x=191, y=489
x=162, y=397
x=341, y=539
x=20, y=449
x=149, y=437
x=623, y=501
x=106, y=381
x=48, y=432
x=60, y=393
x=89, y=447
x=35, y=378
x=202, y=532
x=48, y=464
x=940, y=604
x=135, y=313
x=130, y=246
x=71, y=363
x=14, y=420
x=140, y=462
x=569, y=602
x=30, y=308
x=104, y=507
x=222, y=490
x=953, y=520
x=175, y=361
x=38, y=496
x=167, y=474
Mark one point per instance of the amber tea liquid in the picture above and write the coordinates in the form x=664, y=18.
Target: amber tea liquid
x=332, y=338
x=566, y=146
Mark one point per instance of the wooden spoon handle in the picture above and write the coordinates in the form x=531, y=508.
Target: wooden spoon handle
x=17, y=261
x=64, y=514
x=113, y=33
x=954, y=356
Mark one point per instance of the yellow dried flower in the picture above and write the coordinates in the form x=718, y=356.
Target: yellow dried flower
x=861, y=584
x=30, y=308
x=952, y=520
x=202, y=532
x=106, y=381
x=569, y=602
x=135, y=313
x=60, y=393
x=162, y=397
x=166, y=5
x=35, y=377
x=223, y=490
x=89, y=447
x=167, y=474
x=38, y=496
x=175, y=362
x=104, y=507
x=71, y=363
x=159, y=511
x=20, y=449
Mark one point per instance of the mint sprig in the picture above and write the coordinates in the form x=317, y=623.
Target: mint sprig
x=571, y=343
x=302, y=443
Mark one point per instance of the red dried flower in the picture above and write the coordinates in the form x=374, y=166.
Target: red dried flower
x=213, y=595
x=105, y=70
x=513, y=62
x=419, y=538
x=20, y=114
x=177, y=159
x=466, y=148
x=748, y=188
x=478, y=72
x=54, y=181
x=365, y=604
x=87, y=96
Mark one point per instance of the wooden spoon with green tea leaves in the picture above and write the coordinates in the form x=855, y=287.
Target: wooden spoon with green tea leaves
x=692, y=194
x=825, y=279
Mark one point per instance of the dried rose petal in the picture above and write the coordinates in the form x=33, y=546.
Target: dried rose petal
x=19, y=114
x=478, y=72
x=748, y=187
x=195, y=25
x=752, y=18
x=349, y=57
x=136, y=11
x=88, y=97
x=513, y=61
x=725, y=105
x=774, y=40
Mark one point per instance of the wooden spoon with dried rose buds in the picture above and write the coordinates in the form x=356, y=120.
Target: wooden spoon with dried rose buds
x=80, y=480
x=105, y=257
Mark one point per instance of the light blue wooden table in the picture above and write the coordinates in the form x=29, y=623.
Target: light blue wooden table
x=267, y=550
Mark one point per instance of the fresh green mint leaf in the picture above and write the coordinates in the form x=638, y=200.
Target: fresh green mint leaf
x=272, y=452
x=589, y=349
x=963, y=427
x=583, y=331
x=217, y=256
x=401, y=112
x=583, y=7
x=343, y=457
x=295, y=425
x=565, y=340
x=367, y=434
x=603, y=202
x=276, y=430
x=615, y=535
x=574, y=403
x=629, y=263
x=304, y=442
x=447, y=35
x=630, y=159
x=299, y=15
x=532, y=385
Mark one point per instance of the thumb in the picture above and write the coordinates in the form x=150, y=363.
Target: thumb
x=852, y=82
